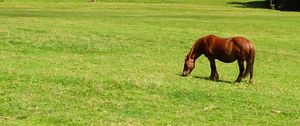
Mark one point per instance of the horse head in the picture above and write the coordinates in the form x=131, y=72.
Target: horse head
x=189, y=65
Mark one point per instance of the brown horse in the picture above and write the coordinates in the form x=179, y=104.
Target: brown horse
x=224, y=49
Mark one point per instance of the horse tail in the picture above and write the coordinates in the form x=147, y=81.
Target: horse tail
x=250, y=61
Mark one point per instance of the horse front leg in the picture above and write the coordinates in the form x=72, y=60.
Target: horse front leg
x=214, y=74
x=241, y=68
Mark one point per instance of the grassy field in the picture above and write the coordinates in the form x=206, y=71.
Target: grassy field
x=118, y=63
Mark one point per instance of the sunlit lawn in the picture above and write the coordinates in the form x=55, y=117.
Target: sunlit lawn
x=113, y=63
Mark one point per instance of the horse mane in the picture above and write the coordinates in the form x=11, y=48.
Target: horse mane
x=192, y=49
x=196, y=45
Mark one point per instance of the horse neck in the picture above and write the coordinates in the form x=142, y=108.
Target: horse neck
x=195, y=52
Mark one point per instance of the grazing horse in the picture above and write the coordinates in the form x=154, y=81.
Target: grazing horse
x=224, y=49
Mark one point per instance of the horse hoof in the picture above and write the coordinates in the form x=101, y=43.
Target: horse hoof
x=237, y=82
x=250, y=81
x=214, y=78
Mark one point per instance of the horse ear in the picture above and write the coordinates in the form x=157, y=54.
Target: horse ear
x=185, y=57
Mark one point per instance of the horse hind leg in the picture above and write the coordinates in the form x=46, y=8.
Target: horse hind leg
x=251, y=73
x=241, y=68
x=249, y=69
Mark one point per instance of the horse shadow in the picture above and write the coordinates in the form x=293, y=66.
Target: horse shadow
x=207, y=78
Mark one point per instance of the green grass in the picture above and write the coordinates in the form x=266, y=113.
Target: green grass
x=118, y=63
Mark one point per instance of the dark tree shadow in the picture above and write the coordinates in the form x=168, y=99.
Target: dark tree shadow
x=251, y=4
x=289, y=6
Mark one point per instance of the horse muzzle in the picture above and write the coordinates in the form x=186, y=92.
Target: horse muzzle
x=185, y=73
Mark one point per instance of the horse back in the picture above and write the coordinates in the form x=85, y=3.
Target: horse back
x=227, y=49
